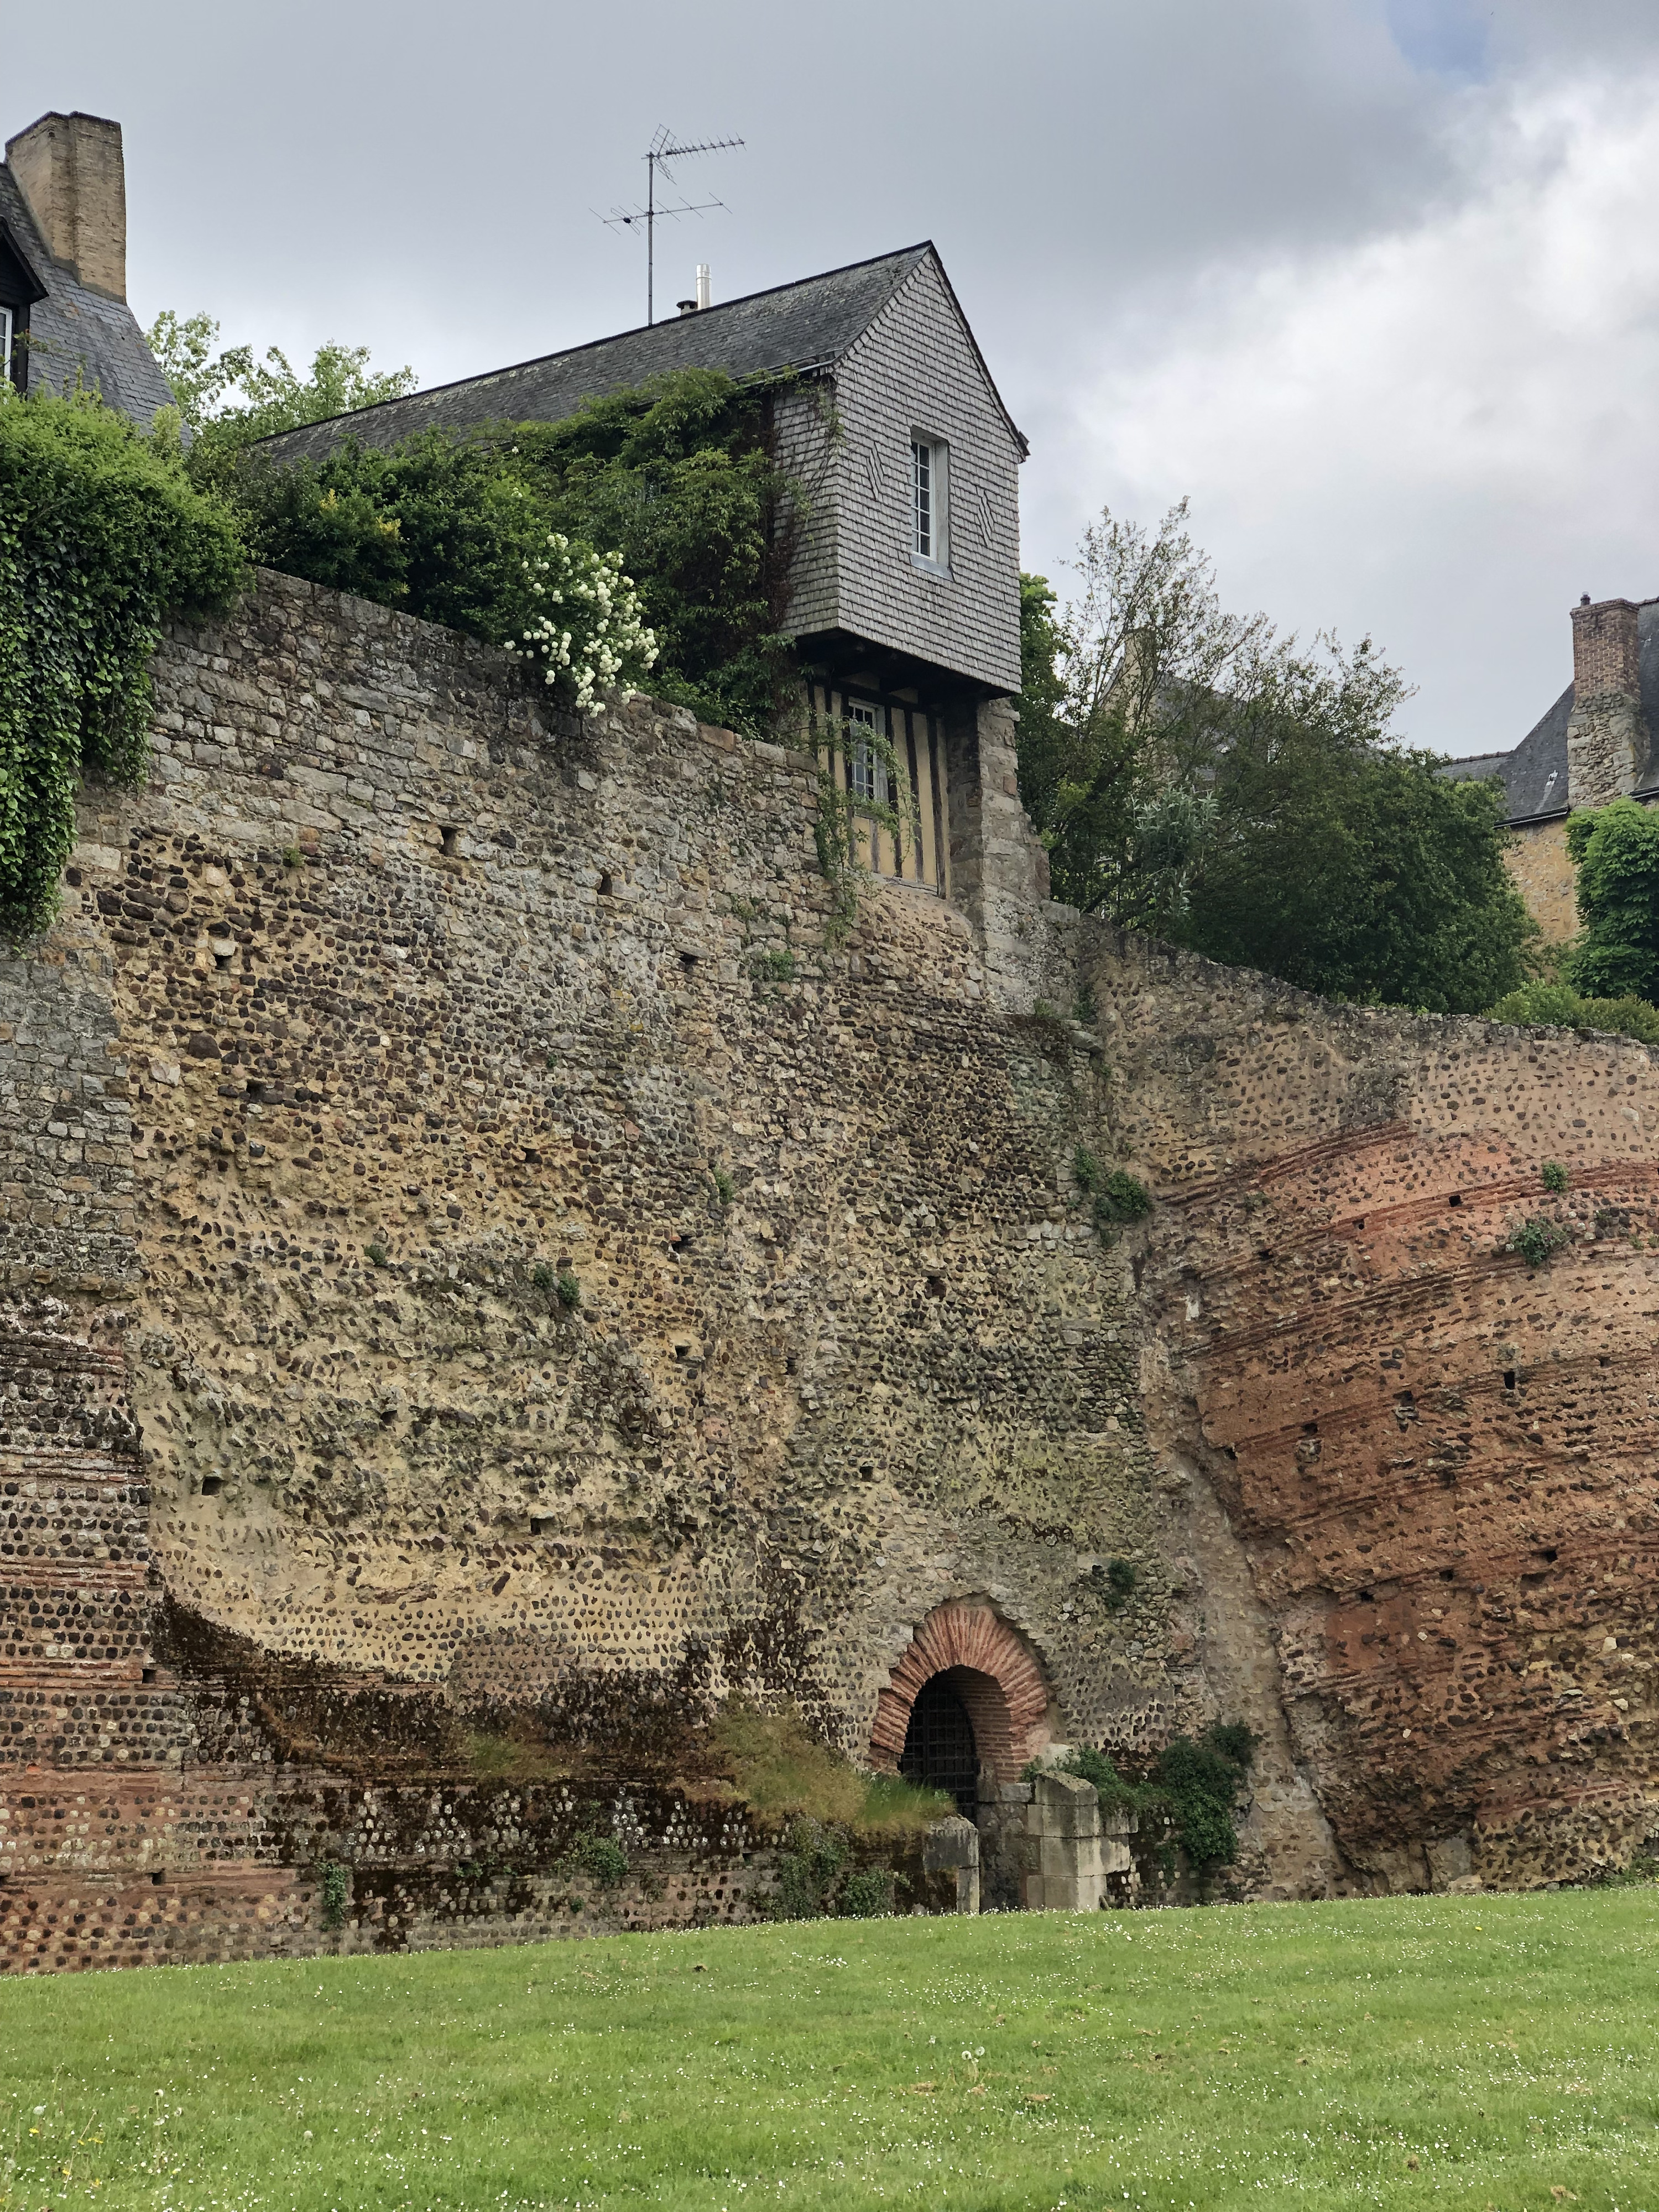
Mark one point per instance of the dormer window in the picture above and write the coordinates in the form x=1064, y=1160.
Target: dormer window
x=930, y=504
x=7, y=320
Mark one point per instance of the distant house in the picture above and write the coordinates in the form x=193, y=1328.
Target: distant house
x=1595, y=743
x=905, y=601
x=63, y=314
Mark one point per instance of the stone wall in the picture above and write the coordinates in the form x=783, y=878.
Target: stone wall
x=492, y=1272
x=393, y=1004
x=1439, y=1459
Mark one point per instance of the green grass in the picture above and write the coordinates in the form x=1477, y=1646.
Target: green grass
x=1258, y=2056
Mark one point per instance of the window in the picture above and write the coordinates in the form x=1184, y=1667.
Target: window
x=6, y=319
x=930, y=487
x=865, y=775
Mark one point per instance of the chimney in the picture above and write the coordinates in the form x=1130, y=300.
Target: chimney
x=1604, y=655
x=1607, y=739
x=705, y=295
x=70, y=170
x=686, y=307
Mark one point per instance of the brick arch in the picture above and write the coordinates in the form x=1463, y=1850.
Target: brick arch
x=992, y=1670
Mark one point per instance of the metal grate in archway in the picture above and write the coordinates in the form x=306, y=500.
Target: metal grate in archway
x=939, y=1746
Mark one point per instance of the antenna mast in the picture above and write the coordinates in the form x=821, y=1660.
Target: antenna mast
x=663, y=149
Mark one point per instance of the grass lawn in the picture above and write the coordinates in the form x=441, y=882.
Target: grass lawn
x=1446, y=2052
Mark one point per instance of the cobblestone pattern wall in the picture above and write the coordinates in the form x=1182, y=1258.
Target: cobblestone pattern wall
x=409, y=1003
x=1440, y=1461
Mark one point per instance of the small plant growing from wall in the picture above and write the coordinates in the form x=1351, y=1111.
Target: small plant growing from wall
x=867, y=1893
x=379, y=1254
x=568, y=1290
x=777, y=967
x=724, y=1190
x=1554, y=1177
x=544, y=1277
x=337, y=1892
x=1085, y=1167
x=1536, y=1238
x=601, y=1856
x=1121, y=1580
x=1120, y=1200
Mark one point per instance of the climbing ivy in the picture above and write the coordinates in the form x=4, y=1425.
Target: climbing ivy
x=101, y=538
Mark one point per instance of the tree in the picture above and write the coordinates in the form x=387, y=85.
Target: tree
x=229, y=398
x=1615, y=851
x=1192, y=773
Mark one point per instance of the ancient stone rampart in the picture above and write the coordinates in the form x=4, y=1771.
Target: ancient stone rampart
x=484, y=1252
x=493, y=1269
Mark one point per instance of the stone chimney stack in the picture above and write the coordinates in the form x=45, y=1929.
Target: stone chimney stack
x=72, y=175
x=1607, y=741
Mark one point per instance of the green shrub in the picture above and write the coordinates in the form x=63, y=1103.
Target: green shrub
x=570, y=1290
x=1554, y=1177
x=867, y=1893
x=1536, y=1238
x=1125, y=1199
x=724, y=1190
x=543, y=1277
x=602, y=1856
x=808, y=1872
x=1191, y=1784
x=1086, y=1169
x=1120, y=1579
x=1558, y=1005
x=102, y=537
x=776, y=966
x=337, y=1892
x=379, y=1254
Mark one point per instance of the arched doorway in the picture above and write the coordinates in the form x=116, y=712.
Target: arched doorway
x=983, y=1669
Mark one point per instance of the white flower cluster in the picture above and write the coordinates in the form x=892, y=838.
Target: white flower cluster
x=591, y=630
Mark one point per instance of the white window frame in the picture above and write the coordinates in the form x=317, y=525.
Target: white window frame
x=7, y=330
x=929, y=503
x=866, y=776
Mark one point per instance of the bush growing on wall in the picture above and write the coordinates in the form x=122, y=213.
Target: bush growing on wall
x=674, y=485
x=102, y=536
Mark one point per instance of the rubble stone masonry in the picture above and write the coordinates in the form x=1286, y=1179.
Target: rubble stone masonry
x=492, y=1271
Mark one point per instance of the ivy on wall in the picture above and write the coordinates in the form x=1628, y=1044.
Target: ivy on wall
x=103, y=538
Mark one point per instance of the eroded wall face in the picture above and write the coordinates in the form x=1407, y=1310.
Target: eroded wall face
x=1440, y=1459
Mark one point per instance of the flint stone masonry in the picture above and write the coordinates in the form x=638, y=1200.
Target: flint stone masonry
x=395, y=1000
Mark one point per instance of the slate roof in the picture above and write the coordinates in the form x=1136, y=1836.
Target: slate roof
x=806, y=327
x=74, y=330
x=1535, y=775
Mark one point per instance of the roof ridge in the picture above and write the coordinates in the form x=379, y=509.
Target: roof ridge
x=589, y=345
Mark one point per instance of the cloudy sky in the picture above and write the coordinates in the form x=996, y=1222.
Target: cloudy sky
x=1374, y=282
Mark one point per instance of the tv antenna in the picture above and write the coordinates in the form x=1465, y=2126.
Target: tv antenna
x=664, y=149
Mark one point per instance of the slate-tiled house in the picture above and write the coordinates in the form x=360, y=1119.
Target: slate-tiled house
x=1599, y=741
x=64, y=313
x=905, y=603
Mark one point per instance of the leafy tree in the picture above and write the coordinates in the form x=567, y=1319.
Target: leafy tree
x=1615, y=851
x=229, y=398
x=102, y=537
x=1193, y=774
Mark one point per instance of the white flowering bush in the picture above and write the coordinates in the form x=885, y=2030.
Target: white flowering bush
x=585, y=630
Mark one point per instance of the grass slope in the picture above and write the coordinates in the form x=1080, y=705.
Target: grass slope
x=1452, y=2052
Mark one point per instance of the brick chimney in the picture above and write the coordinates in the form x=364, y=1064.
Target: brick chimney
x=1607, y=742
x=72, y=175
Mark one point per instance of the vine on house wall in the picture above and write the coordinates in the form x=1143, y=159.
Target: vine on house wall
x=101, y=538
